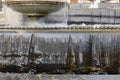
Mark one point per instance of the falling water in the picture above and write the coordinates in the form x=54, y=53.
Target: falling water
x=102, y=49
x=13, y=49
x=18, y=19
x=57, y=49
x=95, y=4
x=12, y=17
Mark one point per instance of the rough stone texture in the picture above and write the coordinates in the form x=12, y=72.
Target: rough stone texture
x=82, y=13
x=57, y=77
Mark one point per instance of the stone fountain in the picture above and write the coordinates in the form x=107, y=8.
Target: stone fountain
x=35, y=7
x=83, y=45
x=29, y=10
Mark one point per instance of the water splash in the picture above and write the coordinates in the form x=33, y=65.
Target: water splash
x=95, y=4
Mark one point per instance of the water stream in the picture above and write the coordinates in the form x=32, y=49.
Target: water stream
x=93, y=49
x=84, y=49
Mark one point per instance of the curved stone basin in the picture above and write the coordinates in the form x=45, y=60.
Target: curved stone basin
x=42, y=7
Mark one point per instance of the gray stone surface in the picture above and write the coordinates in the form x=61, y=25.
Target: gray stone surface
x=12, y=76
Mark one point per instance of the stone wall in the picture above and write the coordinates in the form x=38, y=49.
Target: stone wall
x=105, y=13
x=88, y=5
x=94, y=16
x=82, y=13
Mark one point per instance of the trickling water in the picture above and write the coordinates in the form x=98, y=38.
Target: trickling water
x=81, y=49
x=51, y=48
x=14, y=48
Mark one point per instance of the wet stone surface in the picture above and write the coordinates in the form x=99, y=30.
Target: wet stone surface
x=11, y=76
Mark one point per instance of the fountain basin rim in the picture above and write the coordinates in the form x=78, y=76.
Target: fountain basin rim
x=35, y=2
x=29, y=31
x=35, y=7
x=60, y=28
